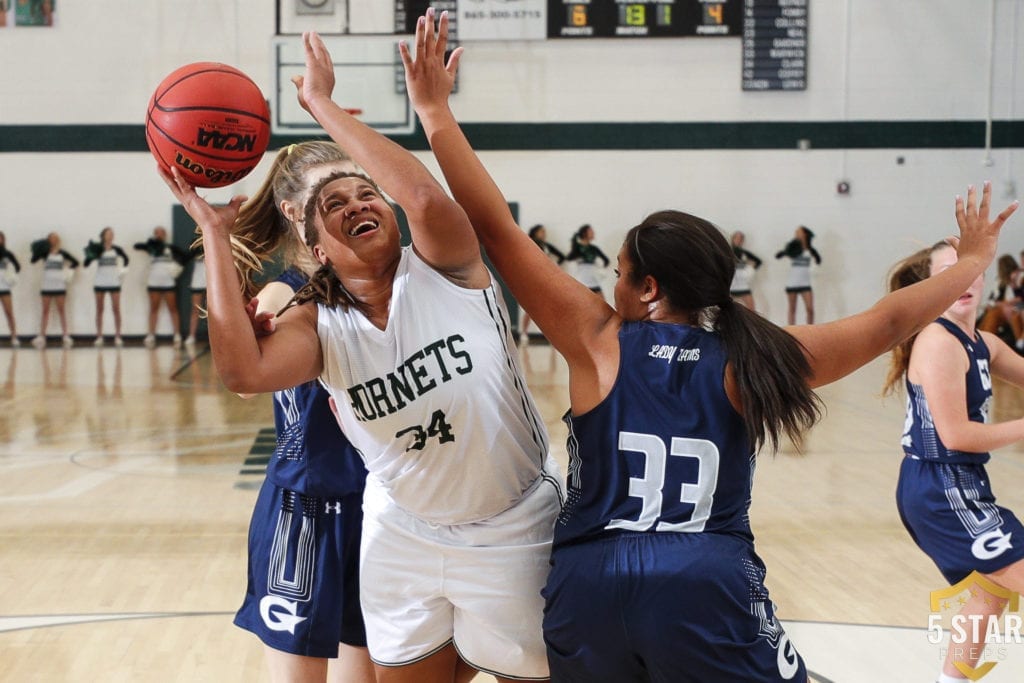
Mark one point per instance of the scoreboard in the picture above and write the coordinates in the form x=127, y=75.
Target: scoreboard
x=774, y=32
x=652, y=19
x=775, y=44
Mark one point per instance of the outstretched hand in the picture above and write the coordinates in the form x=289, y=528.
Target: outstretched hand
x=428, y=79
x=318, y=80
x=979, y=236
x=218, y=218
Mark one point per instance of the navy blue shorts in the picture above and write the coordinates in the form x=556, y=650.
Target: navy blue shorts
x=303, y=590
x=951, y=513
x=664, y=607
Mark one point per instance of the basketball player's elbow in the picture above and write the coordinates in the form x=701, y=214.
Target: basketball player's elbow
x=234, y=381
x=237, y=378
x=425, y=200
x=958, y=438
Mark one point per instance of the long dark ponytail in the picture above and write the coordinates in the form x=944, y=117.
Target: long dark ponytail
x=693, y=264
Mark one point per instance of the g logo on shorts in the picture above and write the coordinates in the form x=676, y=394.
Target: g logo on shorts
x=991, y=545
x=278, y=620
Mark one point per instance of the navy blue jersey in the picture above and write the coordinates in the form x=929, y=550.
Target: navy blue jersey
x=312, y=455
x=920, y=439
x=665, y=450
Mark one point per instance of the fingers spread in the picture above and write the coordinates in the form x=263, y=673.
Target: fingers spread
x=986, y=197
x=442, y=34
x=1007, y=212
x=421, y=35
x=961, y=215
x=453, y=61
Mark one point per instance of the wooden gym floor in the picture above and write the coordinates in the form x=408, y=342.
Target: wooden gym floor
x=127, y=477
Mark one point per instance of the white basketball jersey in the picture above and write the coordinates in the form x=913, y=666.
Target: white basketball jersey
x=435, y=402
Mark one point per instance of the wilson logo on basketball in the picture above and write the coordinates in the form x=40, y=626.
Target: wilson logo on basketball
x=210, y=119
x=232, y=142
x=215, y=176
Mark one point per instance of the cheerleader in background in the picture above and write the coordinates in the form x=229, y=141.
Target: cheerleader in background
x=197, y=286
x=800, y=252
x=9, y=269
x=746, y=264
x=539, y=235
x=585, y=253
x=111, y=260
x=58, y=269
x=164, y=269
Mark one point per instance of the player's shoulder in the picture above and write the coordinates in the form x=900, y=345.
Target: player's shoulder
x=936, y=332
x=938, y=345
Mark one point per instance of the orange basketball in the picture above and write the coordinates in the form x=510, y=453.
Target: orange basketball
x=210, y=121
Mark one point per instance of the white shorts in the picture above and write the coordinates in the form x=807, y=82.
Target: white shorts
x=478, y=585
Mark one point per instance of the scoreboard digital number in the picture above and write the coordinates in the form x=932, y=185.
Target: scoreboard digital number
x=653, y=19
x=775, y=44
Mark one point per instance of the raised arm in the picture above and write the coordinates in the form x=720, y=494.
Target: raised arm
x=441, y=233
x=567, y=312
x=244, y=363
x=838, y=348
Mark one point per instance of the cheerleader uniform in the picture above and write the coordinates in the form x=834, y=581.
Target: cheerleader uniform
x=746, y=264
x=587, y=271
x=799, y=279
x=197, y=285
x=9, y=269
x=165, y=265
x=109, y=265
x=54, y=282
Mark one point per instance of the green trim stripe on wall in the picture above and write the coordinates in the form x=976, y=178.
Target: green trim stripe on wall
x=593, y=136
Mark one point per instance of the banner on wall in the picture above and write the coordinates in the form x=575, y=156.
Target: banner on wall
x=502, y=19
x=34, y=12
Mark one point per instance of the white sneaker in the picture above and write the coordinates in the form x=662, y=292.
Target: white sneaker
x=190, y=341
x=118, y=342
x=68, y=343
x=15, y=342
x=39, y=341
x=150, y=341
x=176, y=342
x=1020, y=344
x=98, y=343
